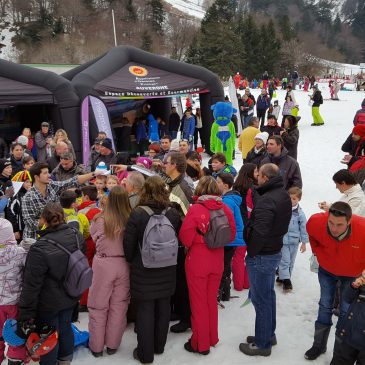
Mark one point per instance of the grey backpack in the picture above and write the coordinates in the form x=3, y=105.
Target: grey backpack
x=160, y=243
x=219, y=231
x=79, y=274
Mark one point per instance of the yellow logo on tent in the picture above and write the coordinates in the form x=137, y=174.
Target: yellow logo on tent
x=138, y=71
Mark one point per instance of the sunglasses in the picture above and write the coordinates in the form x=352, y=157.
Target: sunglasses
x=184, y=140
x=337, y=212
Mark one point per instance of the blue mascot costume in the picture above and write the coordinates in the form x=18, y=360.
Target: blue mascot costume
x=223, y=134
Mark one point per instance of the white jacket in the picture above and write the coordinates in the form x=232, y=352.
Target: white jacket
x=355, y=197
x=12, y=261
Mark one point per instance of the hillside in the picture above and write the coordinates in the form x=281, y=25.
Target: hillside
x=74, y=31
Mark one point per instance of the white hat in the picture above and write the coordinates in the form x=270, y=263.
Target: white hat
x=174, y=145
x=264, y=136
x=23, y=140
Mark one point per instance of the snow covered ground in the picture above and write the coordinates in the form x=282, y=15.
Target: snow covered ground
x=319, y=156
x=191, y=7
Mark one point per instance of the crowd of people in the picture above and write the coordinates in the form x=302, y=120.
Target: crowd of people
x=167, y=237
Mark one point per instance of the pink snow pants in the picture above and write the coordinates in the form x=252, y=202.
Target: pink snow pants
x=239, y=272
x=108, y=302
x=16, y=353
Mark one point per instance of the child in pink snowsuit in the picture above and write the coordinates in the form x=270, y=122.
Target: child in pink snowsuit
x=109, y=292
x=12, y=260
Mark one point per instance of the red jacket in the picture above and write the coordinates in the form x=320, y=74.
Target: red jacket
x=199, y=255
x=89, y=209
x=341, y=258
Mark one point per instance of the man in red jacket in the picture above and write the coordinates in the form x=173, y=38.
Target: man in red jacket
x=337, y=239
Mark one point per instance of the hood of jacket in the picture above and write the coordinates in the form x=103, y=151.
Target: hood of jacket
x=233, y=196
x=211, y=202
x=274, y=183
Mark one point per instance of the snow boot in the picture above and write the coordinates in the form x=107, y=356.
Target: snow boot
x=279, y=281
x=287, y=285
x=251, y=349
x=319, y=347
x=251, y=339
x=189, y=348
x=225, y=290
x=180, y=327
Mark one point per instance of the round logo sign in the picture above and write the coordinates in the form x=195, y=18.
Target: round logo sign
x=138, y=71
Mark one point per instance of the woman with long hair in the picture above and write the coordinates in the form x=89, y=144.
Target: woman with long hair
x=203, y=265
x=44, y=300
x=61, y=135
x=109, y=292
x=290, y=135
x=244, y=184
x=151, y=288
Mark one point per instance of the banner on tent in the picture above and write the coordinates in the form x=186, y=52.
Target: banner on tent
x=102, y=122
x=140, y=80
x=85, y=130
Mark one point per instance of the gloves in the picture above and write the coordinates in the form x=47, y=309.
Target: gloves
x=25, y=328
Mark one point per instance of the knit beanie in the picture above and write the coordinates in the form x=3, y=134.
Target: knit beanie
x=145, y=161
x=174, y=147
x=6, y=232
x=4, y=163
x=264, y=136
x=359, y=130
x=23, y=140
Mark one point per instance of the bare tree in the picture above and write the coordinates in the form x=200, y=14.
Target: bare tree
x=180, y=33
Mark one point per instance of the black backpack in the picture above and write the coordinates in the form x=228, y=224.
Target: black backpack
x=79, y=274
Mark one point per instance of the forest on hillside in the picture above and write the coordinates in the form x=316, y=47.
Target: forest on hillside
x=254, y=35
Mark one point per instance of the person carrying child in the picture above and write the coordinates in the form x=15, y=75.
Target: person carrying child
x=12, y=260
x=297, y=234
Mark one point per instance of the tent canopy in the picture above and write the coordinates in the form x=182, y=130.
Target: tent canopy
x=34, y=81
x=14, y=92
x=130, y=72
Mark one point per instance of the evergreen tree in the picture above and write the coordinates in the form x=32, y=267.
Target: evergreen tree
x=337, y=24
x=250, y=38
x=156, y=15
x=131, y=11
x=218, y=46
x=286, y=29
x=221, y=11
x=193, y=54
x=147, y=42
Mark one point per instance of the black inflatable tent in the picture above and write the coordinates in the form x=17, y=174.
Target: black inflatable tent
x=29, y=96
x=129, y=73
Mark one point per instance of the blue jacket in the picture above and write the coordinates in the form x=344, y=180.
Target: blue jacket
x=352, y=327
x=297, y=231
x=3, y=204
x=233, y=199
x=153, y=135
x=188, y=127
x=263, y=102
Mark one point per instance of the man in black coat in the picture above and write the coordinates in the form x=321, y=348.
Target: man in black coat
x=174, y=123
x=268, y=224
x=288, y=166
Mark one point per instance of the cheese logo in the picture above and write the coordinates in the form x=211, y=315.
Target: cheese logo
x=138, y=71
